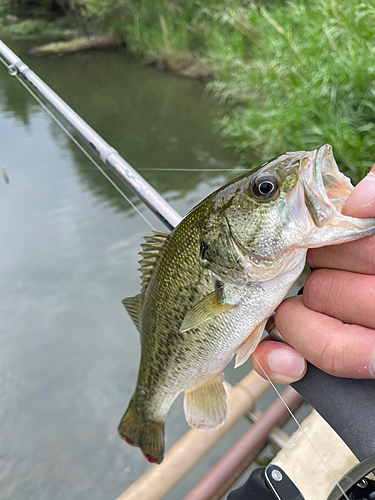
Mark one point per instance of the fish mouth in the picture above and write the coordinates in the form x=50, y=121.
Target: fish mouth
x=326, y=189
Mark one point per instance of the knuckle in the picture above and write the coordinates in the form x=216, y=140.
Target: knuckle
x=284, y=314
x=334, y=357
x=320, y=290
x=330, y=361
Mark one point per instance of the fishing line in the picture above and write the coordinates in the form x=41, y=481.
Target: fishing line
x=303, y=432
x=74, y=140
x=193, y=169
x=190, y=170
x=55, y=119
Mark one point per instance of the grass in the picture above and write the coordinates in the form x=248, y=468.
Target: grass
x=34, y=28
x=295, y=74
x=310, y=80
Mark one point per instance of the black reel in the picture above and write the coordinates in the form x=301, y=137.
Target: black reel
x=355, y=483
x=272, y=483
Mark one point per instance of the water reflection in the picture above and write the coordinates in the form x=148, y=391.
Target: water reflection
x=69, y=353
x=13, y=101
x=152, y=123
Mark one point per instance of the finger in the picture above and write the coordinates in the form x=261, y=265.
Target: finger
x=349, y=297
x=281, y=363
x=360, y=203
x=345, y=256
x=337, y=348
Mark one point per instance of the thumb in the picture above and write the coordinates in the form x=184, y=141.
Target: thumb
x=361, y=201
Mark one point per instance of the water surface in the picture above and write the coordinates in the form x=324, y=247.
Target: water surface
x=69, y=353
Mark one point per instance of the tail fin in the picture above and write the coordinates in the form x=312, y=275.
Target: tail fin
x=148, y=435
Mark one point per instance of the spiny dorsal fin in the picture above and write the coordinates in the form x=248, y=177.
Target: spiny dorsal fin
x=151, y=254
x=133, y=306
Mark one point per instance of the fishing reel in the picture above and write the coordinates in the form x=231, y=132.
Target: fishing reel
x=272, y=483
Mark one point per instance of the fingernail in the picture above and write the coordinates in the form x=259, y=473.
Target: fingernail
x=372, y=365
x=286, y=364
x=362, y=196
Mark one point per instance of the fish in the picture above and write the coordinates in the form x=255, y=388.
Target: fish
x=209, y=287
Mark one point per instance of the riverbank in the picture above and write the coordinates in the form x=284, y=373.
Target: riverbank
x=186, y=64
x=35, y=29
x=77, y=44
x=294, y=75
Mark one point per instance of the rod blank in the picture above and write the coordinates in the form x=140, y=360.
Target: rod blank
x=108, y=155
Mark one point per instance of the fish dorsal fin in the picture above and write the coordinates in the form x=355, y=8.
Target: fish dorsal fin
x=210, y=306
x=151, y=255
x=133, y=306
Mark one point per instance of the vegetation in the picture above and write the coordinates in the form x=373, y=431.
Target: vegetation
x=309, y=80
x=295, y=74
x=32, y=9
x=35, y=29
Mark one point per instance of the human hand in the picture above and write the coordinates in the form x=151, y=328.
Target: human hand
x=333, y=324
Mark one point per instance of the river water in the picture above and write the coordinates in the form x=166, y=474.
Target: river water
x=69, y=353
x=69, y=243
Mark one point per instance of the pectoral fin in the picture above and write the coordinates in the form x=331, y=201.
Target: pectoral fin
x=212, y=305
x=249, y=345
x=205, y=405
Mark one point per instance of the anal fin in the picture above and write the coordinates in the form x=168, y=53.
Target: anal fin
x=249, y=345
x=205, y=405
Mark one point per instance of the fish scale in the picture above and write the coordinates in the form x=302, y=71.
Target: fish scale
x=209, y=287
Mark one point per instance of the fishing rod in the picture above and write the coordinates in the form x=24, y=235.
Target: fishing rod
x=347, y=405
x=107, y=154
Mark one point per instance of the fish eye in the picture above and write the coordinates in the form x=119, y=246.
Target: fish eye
x=265, y=186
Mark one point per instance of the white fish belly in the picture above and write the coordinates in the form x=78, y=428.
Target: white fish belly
x=208, y=348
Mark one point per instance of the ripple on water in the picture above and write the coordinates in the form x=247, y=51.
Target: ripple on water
x=69, y=353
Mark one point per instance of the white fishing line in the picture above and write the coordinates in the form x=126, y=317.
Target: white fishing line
x=149, y=223
x=193, y=169
x=56, y=120
x=187, y=170
x=303, y=431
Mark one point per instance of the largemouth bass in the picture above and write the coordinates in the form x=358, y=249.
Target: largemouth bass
x=210, y=286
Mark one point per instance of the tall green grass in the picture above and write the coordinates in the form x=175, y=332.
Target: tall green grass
x=296, y=74
x=310, y=79
x=34, y=29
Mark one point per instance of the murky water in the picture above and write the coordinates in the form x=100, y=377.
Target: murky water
x=69, y=243
x=68, y=351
